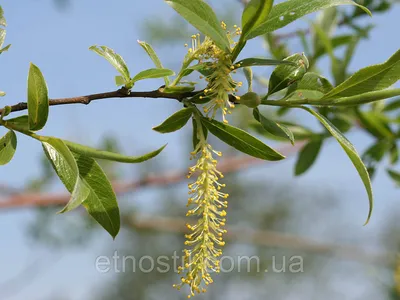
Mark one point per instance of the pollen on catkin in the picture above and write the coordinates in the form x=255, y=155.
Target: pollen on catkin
x=220, y=84
x=208, y=204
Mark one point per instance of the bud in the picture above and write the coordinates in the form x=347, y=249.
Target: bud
x=250, y=99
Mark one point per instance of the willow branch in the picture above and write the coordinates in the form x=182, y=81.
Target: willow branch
x=268, y=238
x=121, y=93
x=228, y=165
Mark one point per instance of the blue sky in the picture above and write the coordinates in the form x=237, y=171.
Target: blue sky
x=58, y=43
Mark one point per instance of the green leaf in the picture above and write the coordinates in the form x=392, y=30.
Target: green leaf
x=351, y=153
x=177, y=89
x=87, y=183
x=114, y=59
x=200, y=15
x=285, y=75
x=111, y=156
x=2, y=94
x=311, y=86
x=5, y=49
x=395, y=176
x=8, y=145
x=38, y=99
x=21, y=122
x=393, y=105
x=372, y=78
x=326, y=20
x=375, y=123
x=119, y=80
x=153, y=55
x=67, y=170
x=175, y=122
x=255, y=13
x=273, y=127
x=252, y=62
x=241, y=140
x=196, y=139
x=152, y=73
x=285, y=13
x=101, y=202
x=307, y=156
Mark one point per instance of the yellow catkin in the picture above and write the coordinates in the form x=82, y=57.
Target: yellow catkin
x=204, y=240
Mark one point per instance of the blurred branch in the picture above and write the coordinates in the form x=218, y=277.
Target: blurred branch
x=228, y=165
x=269, y=238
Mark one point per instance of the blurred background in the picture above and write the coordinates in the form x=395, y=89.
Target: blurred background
x=273, y=215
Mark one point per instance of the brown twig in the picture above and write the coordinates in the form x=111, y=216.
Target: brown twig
x=121, y=93
x=228, y=165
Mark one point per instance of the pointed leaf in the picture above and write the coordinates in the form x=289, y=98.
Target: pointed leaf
x=111, y=156
x=252, y=62
x=101, y=202
x=196, y=139
x=395, y=176
x=175, y=122
x=307, y=156
x=273, y=127
x=200, y=15
x=241, y=140
x=152, y=73
x=114, y=59
x=21, y=122
x=372, y=78
x=351, y=153
x=38, y=99
x=248, y=73
x=311, y=86
x=153, y=55
x=119, y=80
x=67, y=170
x=285, y=75
x=255, y=13
x=286, y=12
x=8, y=145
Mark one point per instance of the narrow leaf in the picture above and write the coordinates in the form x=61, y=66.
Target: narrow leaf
x=286, y=12
x=101, y=203
x=200, y=15
x=153, y=55
x=175, y=122
x=106, y=155
x=67, y=170
x=152, y=73
x=395, y=176
x=255, y=13
x=8, y=146
x=273, y=127
x=351, y=153
x=38, y=99
x=372, y=78
x=21, y=122
x=307, y=156
x=241, y=140
x=285, y=75
x=114, y=59
x=251, y=62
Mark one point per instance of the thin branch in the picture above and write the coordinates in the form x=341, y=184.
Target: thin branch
x=121, y=93
x=228, y=165
x=269, y=238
